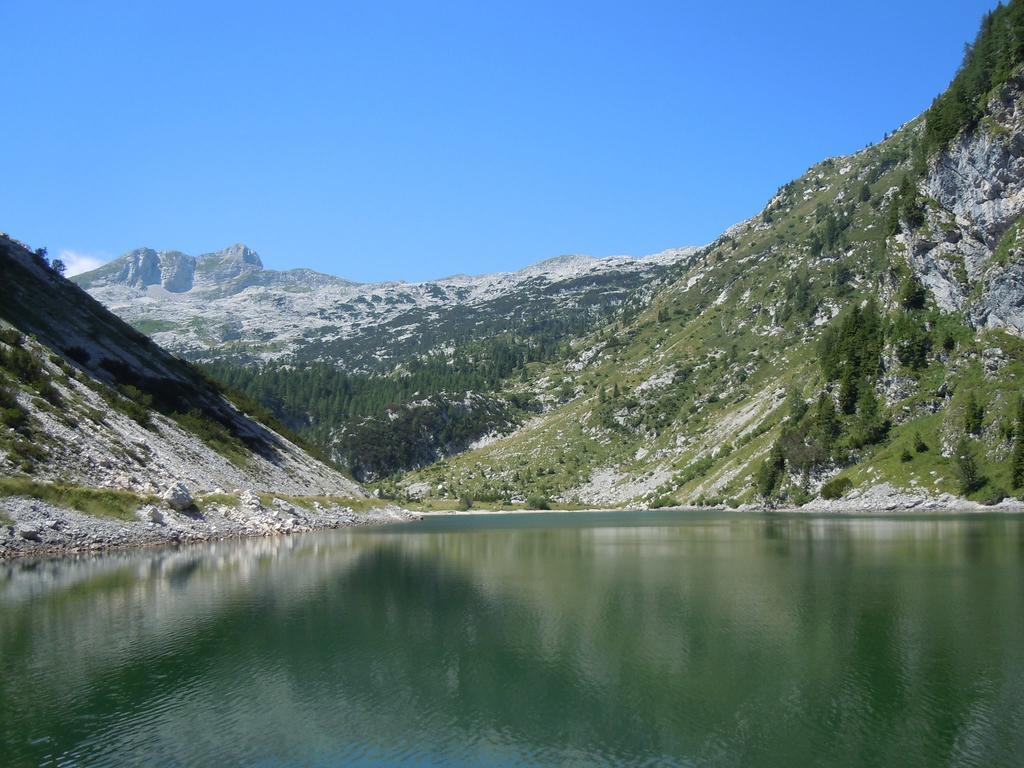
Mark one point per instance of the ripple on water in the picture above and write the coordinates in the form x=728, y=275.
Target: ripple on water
x=567, y=641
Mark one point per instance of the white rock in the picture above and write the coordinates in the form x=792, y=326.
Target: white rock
x=250, y=501
x=178, y=497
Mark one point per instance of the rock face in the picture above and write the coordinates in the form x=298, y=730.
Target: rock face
x=176, y=272
x=250, y=502
x=154, y=515
x=201, y=306
x=978, y=184
x=980, y=177
x=178, y=497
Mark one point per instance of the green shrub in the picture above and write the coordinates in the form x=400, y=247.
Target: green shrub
x=536, y=501
x=836, y=488
x=969, y=477
x=992, y=495
x=134, y=411
x=15, y=418
x=912, y=294
x=214, y=434
x=799, y=496
x=26, y=453
x=11, y=413
x=49, y=393
x=906, y=456
x=78, y=354
x=661, y=502
x=11, y=337
x=23, y=364
x=465, y=502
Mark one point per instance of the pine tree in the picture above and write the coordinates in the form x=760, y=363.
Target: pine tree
x=871, y=425
x=848, y=392
x=795, y=406
x=920, y=446
x=974, y=414
x=826, y=421
x=969, y=477
x=1017, y=459
x=770, y=473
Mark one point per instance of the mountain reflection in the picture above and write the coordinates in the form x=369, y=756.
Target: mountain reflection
x=723, y=640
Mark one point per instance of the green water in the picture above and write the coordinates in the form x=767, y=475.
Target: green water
x=569, y=639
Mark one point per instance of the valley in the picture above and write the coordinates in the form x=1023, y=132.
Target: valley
x=857, y=343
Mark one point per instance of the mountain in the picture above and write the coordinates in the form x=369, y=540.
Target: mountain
x=225, y=305
x=387, y=376
x=860, y=339
x=88, y=401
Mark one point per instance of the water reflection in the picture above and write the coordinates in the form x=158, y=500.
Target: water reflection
x=661, y=638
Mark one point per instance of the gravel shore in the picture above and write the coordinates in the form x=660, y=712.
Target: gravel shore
x=34, y=528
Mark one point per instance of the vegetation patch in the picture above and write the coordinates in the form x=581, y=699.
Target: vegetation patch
x=988, y=63
x=836, y=488
x=208, y=500
x=98, y=502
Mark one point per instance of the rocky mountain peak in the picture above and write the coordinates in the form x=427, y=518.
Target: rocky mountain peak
x=239, y=253
x=174, y=271
x=224, y=266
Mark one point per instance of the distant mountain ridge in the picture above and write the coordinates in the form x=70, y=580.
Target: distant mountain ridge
x=231, y=269
x=225, y=305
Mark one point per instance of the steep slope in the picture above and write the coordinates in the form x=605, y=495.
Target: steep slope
x=863, y=331
x=89, y=401
x=384, y=377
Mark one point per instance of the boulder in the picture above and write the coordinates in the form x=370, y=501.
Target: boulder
x=178, y=497
x=250, y=500
x=29, y=532
x=156, y=515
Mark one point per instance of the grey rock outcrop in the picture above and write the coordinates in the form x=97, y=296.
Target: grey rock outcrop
x=978, y=183
x=29, y=531
x=178, y=497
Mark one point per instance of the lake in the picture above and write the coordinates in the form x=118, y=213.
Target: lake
x=655, y=638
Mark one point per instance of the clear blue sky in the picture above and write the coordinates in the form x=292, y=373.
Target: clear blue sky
x=381, y=140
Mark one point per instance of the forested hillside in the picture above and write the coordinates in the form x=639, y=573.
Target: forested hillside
x=337, y=361
x=864, y=329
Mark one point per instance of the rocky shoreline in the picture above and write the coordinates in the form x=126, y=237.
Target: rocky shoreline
x=31, y=527
x=37, y=528
x=883, y=498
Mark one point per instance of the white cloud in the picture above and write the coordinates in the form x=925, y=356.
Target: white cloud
x=77, y=263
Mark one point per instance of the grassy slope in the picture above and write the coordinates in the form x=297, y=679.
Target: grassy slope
x=724, y=322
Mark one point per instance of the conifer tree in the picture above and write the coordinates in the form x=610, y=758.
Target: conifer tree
x=1017, y=458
